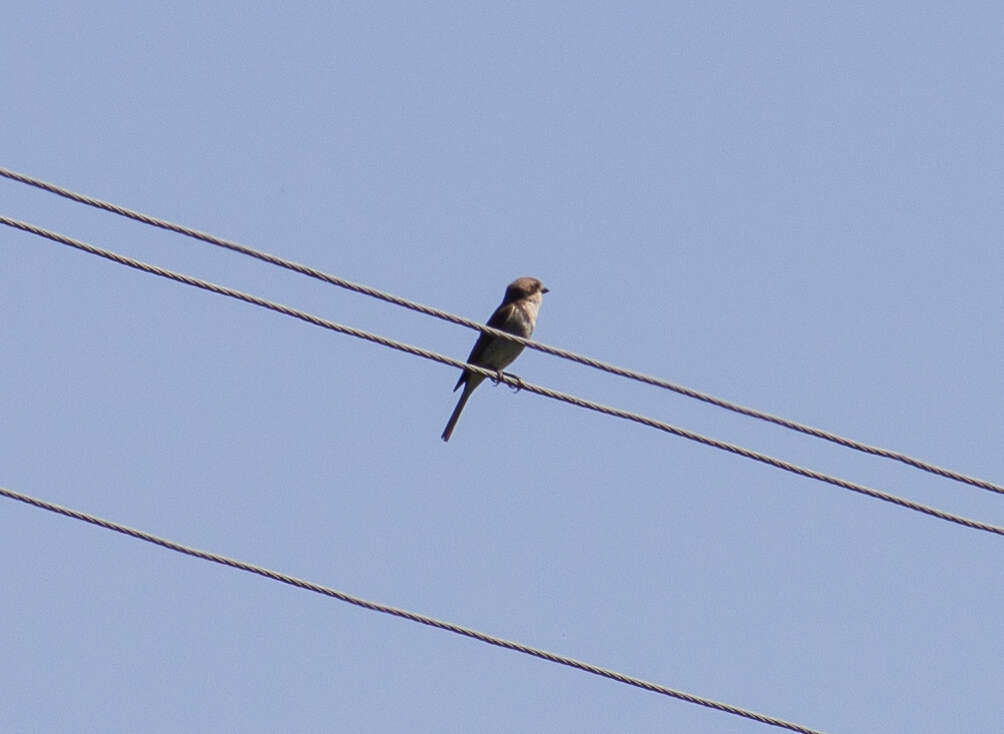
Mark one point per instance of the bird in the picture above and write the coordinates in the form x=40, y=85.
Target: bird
x=517, y=314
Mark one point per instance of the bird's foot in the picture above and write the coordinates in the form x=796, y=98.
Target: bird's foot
x=519, y=382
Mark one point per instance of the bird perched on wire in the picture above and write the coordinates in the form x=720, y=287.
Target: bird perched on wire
x=517, y=314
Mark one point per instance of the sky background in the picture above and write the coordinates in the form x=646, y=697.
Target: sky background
x=795, y=206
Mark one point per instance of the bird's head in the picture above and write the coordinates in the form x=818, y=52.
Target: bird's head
x=525, y=287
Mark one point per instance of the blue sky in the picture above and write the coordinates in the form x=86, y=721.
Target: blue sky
x=793, y=206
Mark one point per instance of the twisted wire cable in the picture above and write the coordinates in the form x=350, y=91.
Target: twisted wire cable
x=404, y=614
x=546, y=349
x=508, y=379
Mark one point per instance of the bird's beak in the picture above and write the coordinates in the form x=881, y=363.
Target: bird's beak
x=545, y=290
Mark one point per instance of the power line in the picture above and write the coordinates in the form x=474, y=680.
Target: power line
x=554, y=351
x=508, y=379
x=404, y=614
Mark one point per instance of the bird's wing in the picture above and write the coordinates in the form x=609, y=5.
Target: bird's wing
x=502, y=317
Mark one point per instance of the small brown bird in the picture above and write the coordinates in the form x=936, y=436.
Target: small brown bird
x=517, y=314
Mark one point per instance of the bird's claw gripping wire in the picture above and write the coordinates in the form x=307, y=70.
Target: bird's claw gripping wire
x=500, y=377
x=519, y=382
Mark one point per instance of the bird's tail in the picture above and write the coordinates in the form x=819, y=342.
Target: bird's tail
x=451, y=424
